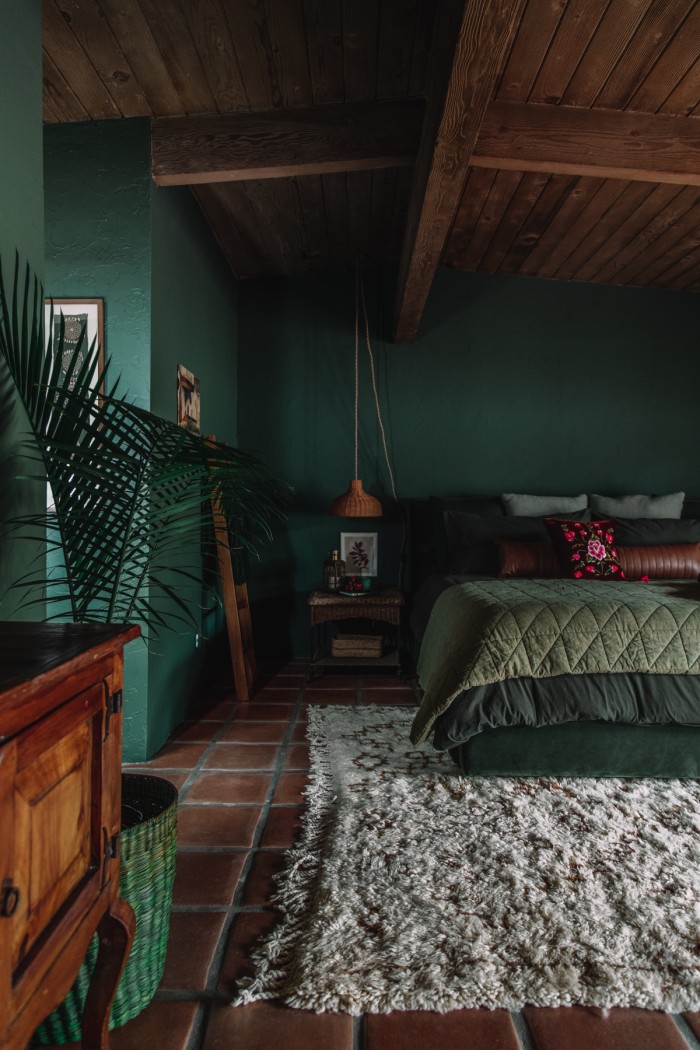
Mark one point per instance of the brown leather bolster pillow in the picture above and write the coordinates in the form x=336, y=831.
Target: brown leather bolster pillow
x=679, y=561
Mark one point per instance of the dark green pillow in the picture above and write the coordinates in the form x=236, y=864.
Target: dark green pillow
x=471, y=540
x=648, y=532
x=438, y=506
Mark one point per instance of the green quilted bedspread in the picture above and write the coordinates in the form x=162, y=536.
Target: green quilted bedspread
x=486, y=631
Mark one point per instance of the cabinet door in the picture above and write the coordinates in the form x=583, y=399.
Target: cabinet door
x=58, y=852
x=8, y=760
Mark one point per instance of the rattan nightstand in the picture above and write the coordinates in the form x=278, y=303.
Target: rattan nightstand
x=383, y=605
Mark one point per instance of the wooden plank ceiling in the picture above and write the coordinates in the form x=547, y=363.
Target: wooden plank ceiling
x=560, y=138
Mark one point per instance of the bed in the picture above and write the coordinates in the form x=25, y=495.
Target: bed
x=539, y=675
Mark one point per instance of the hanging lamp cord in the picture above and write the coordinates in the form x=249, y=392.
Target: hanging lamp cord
x=357, y=356
x=376, y=393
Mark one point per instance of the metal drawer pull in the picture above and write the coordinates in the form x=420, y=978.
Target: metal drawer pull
x=9, y=899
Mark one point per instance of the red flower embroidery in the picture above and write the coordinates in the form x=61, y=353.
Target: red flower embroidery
x=578, y=574
x=569, y=535
x=596, y=550
x=590, y=568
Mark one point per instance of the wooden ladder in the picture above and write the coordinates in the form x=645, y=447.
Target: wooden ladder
x=236, y=607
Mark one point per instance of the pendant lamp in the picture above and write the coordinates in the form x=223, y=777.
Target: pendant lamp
x=356, y=503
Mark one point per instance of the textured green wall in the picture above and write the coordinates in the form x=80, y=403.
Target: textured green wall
x=193, y=323
x=97, y=196
x=21, y=230
x=515, y=384
x=169, y=299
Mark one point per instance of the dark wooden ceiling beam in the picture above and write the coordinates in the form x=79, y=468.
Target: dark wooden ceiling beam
x=608, y=144
x=471, y=38
x=356, y=136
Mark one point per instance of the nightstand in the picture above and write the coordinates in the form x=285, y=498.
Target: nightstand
x=382, y=606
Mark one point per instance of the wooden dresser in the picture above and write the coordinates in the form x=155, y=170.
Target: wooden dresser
x=60, y=819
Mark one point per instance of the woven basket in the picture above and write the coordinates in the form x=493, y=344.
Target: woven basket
x=147, y=873
x=369, y=645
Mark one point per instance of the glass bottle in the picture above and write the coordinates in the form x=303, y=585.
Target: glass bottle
x=333, y=571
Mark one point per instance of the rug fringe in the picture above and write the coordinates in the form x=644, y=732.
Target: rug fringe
x=273, y=957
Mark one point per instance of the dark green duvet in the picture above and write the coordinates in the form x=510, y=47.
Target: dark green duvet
x=581, y=633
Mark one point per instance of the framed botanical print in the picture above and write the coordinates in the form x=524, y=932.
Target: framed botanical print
x=359, y=552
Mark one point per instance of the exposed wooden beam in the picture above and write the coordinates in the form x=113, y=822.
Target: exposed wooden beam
x=471, y=37
x=608, y=144
x=354, y=136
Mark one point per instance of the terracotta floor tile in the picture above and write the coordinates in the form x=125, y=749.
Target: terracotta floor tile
x=260, y=884
x=290, y=789
x=329, y=682
x=207, y=878
x=283, y=680
x=220, y=711
x=282, y=826
x=457, y=1030
x=579, y=1028
x=196, y=731
x=253, y=712
x=254, y=732
x=299, y=733
x=232, y=826
x=146, y=1031
x=276, y=695
x=265, y=1026
x=383, y=696
x=242, y=756
x=229, y=787
x=694, y=1021
x=247, y=930
x=192, y=942
x=382, y=681
x=330, y=696
x=178, y=779
x=297, y=757
x=178, y=756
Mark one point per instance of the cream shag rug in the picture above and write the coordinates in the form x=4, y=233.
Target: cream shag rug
x=415, y=888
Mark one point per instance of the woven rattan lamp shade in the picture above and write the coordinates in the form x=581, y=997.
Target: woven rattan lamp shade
x=356, y=503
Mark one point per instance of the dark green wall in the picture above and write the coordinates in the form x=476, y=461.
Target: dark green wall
x=22, y=231
x=194, y=322
x=169, y=299
x=515, y=384
x=97, y=197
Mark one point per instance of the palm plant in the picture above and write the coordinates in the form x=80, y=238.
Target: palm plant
x=132, y=491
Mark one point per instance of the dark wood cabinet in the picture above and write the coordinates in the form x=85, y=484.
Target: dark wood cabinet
x=60, y=812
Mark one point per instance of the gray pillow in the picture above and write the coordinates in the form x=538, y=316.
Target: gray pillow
x=519, y=505
x=669, y=506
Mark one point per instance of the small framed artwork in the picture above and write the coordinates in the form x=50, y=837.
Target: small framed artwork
x=188, y=405
x=78, y=315
x=359, y=552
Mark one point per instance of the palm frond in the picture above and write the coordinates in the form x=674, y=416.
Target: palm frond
x=132, y=491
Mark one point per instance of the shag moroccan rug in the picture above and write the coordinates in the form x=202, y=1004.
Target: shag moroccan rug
x=415, y=888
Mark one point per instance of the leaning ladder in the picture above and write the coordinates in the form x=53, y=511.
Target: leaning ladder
x=236, y=607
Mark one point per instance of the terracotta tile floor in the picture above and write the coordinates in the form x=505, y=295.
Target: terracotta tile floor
x=240, y=770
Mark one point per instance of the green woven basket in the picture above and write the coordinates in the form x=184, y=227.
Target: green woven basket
x=147, y=873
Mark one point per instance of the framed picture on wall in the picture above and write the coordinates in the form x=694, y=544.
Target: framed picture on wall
x=188, y=400
x=77, y=316
x=359, y=552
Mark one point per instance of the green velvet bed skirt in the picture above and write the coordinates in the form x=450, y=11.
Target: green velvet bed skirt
x=583, y=749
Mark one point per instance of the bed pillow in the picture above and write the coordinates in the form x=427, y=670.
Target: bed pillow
x=519, y=504
x=531, y=560
x=438, y=506
x=647, y=532
x=471, y=540
x=680, y=561
x=586, y=549
x=669, y=506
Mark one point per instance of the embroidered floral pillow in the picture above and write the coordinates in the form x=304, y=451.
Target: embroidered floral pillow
x=586, y=549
